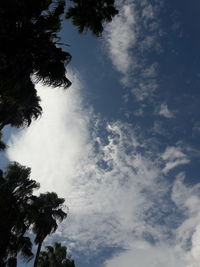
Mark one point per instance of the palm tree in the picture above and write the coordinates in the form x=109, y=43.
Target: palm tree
x=32, y=26
x=16, y=189
x=47, y=210
x=22, y=211
x=20, y=110
x=90, y=14
x=55, y=256
x=22, y=244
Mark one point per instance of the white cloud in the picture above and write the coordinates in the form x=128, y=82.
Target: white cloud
x=187, y=199
x=165, y=112
x=183, y=250
x=128, y=39
x=116, y=194
x=107, y=182
x=55, y=142
x=120, y=37
x=173, y=157
x=143, y=255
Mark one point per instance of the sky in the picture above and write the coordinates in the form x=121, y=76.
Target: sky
x=121, y=145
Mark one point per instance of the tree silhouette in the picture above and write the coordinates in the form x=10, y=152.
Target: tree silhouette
x=28, y=46
x=16, y=190
x=91, y=15
x=29, y=50
x=48, y=211
x=2, y=144
x=55, y=256
x=29, y=53
x=21, y=211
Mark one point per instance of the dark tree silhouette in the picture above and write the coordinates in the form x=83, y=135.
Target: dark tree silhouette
x=48, y=211
x=21, y=211
x=11, y=262
x=55, y=256
x=28, y=46
x=29, y=50
x=16, y=190
x=91, y=15
x=29, y=53
x=2, y=144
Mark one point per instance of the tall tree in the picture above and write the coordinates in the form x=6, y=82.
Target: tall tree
x=22, y=211
x=21, y=244
x=16, y=189
x=48, y=211
x=55, y=256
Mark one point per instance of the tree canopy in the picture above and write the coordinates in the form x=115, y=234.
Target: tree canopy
x=91, y=15
x=22, y=212
x=29, y=50
x=47, y=210
x=55, y=256
x=30, y=53
x=16, y=190
x=28, y=37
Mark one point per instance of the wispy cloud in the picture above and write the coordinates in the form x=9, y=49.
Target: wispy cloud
x=120, y=37
x=187, y=198
x=143, y=254
x=165, y=111
x=128, y=40
x=114, y=187
x=54, y=143
x=173, y=157
x=102, y=178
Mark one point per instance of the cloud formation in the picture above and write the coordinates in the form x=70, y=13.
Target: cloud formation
x=165, y=112
x=114, y=187
x=54, y=143
x=128, y=39
x=120, y=37
x=173, y=157
x=143, y=254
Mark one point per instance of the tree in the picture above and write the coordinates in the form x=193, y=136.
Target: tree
x=11, y=262
x=16, y=189
x=22, y=211
x=55, y=256
x=22, y=244
x=48, y=210
x=30, y=52
x=28, y=46
x=2, y=144
x=91, y=15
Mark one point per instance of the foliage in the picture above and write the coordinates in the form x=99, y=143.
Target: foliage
x=28, y=46
x=22, y=211
x=47, y=210
x=29, y=50
x=2, y=144
x=90, y=14
x=29, y=53
x=16, y=189
x=55, y=256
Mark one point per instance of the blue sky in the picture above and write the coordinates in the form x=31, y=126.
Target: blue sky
x=122, y=144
